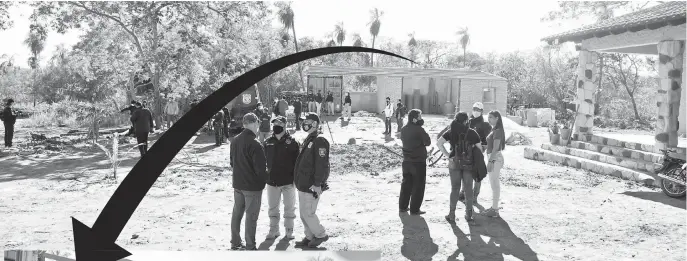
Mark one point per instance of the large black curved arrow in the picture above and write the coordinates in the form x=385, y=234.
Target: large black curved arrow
x=98, y=243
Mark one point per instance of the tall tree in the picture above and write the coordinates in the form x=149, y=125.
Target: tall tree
x=625, y=71
x=287, y=19
x=375, y=23
x=412, y=46
x=5, y=21
x=464, y=41
x=36, y=43
x=340, y=33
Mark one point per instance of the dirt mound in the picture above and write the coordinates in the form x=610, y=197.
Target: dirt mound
x=365, y=158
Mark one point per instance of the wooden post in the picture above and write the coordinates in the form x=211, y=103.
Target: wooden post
x=586, y=88
x=669, y=93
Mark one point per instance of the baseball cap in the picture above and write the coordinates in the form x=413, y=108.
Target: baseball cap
x=311, y=116
x=478, y=105
x=280, y=119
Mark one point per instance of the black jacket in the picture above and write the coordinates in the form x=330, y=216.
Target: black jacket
x=347, y=100
x=318, y=98
x=415, y=141
x=143, y=120
x=312, y=165
x=330, y=98
x=281, y=155
x=481, y=127
x=297, y=107
x=247, y=159
x=9, y=116
x=218, y=119
x=311, y=97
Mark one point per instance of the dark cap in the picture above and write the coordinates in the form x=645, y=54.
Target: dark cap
x=280, y=119
x=311, y=116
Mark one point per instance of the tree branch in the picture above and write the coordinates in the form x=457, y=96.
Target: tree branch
x=115, y=19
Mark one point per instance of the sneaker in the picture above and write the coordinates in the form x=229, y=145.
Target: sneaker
x=303, y=242
x=317, y=241
x=238, y=247
x=491, y=212
x=419, y=212
x=289, y=233
x=273, y=235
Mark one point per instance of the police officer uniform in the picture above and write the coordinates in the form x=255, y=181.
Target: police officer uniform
x=311, y=173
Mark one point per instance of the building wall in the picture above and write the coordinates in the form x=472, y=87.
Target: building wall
x=683, y=101
x=471, y=91
x=363, y=101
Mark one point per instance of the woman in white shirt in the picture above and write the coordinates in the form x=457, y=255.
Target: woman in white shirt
x=388, y=113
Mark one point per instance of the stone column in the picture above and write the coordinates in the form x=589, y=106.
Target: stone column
x=586, y=87
x=670, y=55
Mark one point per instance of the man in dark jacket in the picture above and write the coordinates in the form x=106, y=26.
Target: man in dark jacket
x=415, y=141
x=9, y=118
x=297, y=110
x=247, y=158
x=281, y=151
x=311, y=102
x=143, y=124
x=399, y=114
x=318, y=103
x=330, y=104
x=131, y=109
x=483, y=129
x=346, y=107
x=310, y=176
x=226, y=121
x=282, y=106
x=264, y=118
x=218, y=126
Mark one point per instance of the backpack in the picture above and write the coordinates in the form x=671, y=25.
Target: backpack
x=463, y=158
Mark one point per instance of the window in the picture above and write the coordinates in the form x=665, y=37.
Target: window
x=489, y=95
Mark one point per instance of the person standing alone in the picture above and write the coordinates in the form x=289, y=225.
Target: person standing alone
x=347, y=107
x=318, y=102
x=218, y=126
x=247, y=158
x=330, y=104
x=9, y=118
x=143, y=124
x=388, y=113
x=297, y=110
x=415, y=141
x=310, y=176
x=281, y=151
x=171, y=111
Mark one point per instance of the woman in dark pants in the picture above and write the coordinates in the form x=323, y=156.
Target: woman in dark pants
x=459, y=132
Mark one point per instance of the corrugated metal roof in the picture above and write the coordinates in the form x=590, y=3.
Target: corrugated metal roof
x=674, y=11
x=318, y=70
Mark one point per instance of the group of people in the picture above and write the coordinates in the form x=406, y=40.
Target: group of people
x=469, y=137
x=315, y=102
x=282, y=166
x=397, y=112
x=141, y=124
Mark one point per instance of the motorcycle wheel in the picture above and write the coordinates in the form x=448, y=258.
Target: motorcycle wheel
x=672, y=189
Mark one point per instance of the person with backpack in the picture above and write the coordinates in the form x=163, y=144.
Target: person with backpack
x=415, y=141
x=483, y=129
x=465, y=142
x=9, y=118
x=399, y=114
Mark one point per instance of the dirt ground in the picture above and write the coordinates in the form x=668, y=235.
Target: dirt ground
x=548, y=212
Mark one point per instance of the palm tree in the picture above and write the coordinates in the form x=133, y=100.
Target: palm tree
x=286, y=17
x=36, y=43
x=464, y=41
x=339, y=33
x=374, y=24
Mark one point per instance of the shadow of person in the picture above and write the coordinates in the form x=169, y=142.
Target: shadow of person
x=283, y=244
x=417, y=242
x=657, y=197
x=501, y=241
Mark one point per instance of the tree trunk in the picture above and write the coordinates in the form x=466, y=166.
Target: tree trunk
x=300, y=65
x=634, y=107
x=597, y=106
x=157, y=104
x=372, y=55
x=465, y=58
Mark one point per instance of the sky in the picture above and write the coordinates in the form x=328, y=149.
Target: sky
x=494, y=26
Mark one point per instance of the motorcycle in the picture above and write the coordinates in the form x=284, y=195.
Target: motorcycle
x=673, y=174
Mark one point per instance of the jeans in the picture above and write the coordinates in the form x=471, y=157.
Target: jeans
x=458, y=176
x=413, y=185
x=311, y=106
x=142, y=142
x=387, y=125
x=330, y=108
x=298, y=121
x=9, y=134
x=274, y=195
x=247, y=202
x=307, y=204
x=494, y=179
x=219, y=134
x=399, y=123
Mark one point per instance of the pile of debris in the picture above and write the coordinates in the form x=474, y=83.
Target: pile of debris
x=364, y=114
x=40, y=141
x=516, y=138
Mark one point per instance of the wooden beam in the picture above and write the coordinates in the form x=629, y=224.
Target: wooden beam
x=634, y=39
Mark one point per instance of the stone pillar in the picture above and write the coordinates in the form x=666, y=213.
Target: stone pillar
x=670, y=55
x=586, y=87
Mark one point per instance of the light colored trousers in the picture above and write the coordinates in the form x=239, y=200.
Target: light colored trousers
x=311, y=106
x=307, y=204
x=274, y=195
x=319, y=107
x=347, y=111
x=330, y=108
x=494, y=178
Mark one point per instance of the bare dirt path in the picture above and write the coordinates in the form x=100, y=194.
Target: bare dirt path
x=549, y=212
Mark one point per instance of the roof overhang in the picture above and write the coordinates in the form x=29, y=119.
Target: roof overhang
x=326, y=71
x=663, y=15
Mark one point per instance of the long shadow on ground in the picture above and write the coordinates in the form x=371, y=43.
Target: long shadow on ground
x=417, y=242
x=502, y=241
x=657, y=197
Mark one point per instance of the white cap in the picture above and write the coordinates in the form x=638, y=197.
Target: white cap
x=478, y=105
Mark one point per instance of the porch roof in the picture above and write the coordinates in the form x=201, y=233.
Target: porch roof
x=669, y=13
x=324, y=71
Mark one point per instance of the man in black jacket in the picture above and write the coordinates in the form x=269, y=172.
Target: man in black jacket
x=9, y=118
x=311, y=102
x=225, y=122
x=297, y=110
x=218, y=126
x=143, y=124
x=346, y=107
x=247, y=158
x=330, y=104
x=482, y=128
x=281, y=151
x=318, y=102
x=310, y=176
x=415, y=141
